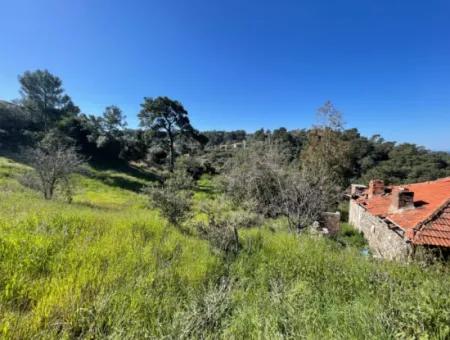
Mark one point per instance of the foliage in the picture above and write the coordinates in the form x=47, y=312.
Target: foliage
x=172, y=197
x=44, y=106
x=14, y=121
x=174, y=206
x=113, y=120
x=217, y=138
x=169, y=117
x=350, y=237
x=326, y=153
x=408, y=163
x=194, y=166
x=108, y=267
x=221, y=234
x=179, y=180
x=43, y=95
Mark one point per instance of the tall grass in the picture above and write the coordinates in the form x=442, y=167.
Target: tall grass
x=109, y=267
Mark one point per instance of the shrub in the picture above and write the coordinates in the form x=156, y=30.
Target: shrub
x=174, y=205
x=179, y=180
x=173, y=197
x=190, y=165
x=208, y=313
x=222, y=235
x=30, y=180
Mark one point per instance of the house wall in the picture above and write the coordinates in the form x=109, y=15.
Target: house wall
x=383, y=242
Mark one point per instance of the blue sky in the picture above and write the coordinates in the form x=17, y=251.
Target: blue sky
x=244, y=64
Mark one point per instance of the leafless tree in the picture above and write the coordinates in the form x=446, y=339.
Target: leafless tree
x=304, y=199
x=253, y=178
x=53, y=163
x=326, y=154
x=262, y=180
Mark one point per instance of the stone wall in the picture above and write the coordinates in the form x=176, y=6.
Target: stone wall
x=383, y=242
x=331, y=221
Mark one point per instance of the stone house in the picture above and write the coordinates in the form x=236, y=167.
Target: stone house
x=398, y=220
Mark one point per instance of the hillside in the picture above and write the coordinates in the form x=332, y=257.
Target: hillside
x=109, y=266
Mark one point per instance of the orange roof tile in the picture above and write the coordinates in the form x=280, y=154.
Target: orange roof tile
x=429, y=199
x=436, y=232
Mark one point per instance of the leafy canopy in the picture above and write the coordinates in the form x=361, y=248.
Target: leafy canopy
x=168, y=117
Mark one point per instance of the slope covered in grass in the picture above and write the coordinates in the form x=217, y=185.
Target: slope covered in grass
x=108, y=266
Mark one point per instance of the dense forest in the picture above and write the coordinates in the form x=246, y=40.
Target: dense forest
x=165, y=133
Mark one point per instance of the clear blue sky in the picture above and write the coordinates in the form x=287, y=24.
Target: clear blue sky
x=244, y=64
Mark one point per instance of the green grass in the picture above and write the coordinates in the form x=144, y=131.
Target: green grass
x=107, y=266
x=350, y=237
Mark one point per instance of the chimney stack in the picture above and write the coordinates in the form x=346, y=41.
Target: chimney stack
x=376, y=187
x=402, y=199
x=357, y=190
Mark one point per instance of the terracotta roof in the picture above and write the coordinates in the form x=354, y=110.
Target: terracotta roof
x=429, y=199
x=436, y=232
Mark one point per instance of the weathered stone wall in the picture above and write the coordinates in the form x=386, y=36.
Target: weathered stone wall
x=383, y=242
x=331, y=221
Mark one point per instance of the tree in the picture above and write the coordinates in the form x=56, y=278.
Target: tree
x=330, y=117
x=325, y=149
x=53, y=163
x=168, y=116
x=13, y=123
x=113, y=120
x=43, y=95
x=261, y=179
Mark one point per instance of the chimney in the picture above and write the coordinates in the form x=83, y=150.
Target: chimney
x=402, y=199
x=376, y=187
x=357, y=190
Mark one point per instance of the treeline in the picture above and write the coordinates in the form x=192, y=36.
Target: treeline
x=367, y=158
x=165, y=133
x=45, y=108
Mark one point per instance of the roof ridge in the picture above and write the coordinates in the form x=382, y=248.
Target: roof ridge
x=433, y=214
x=422, y=226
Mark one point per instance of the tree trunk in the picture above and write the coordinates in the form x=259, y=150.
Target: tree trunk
x=171, y=152
x=48, y=193
x=48, y=190
x=236, y=239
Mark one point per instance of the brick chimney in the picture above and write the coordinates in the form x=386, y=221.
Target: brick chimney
x=402, y=199
x=357, y=190
x=376, y=187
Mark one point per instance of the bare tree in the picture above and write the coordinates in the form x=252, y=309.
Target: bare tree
x=326, y=155
x=305, y=197
x=274, y=187
x=252, y=178
x=53, y=163
x=330, y=117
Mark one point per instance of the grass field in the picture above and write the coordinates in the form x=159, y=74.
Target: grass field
x=108, y=266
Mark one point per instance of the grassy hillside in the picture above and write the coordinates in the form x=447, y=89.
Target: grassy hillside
x=109, y=266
